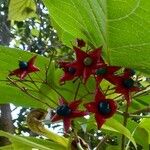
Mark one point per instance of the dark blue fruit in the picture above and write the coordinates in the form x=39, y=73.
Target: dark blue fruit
x=101, y=71
x=104, y=108
x=23, y=65
x=71, y=70
x=128, y=83
x=63, y=110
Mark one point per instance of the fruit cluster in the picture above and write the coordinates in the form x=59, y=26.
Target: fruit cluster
x=86, y=65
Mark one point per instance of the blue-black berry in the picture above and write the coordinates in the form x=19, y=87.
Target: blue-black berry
x=71, y=70
x=101, y=71
x=23, y=65
x=104, y=108
x=128, y=83
x=63, y=110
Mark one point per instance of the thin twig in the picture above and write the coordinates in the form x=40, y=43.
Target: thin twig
x=147, y=109
x=50, y=87
x=23, y=89
x=132, y=115
x=77, y=90
x=101, y=142
x=40, y=92
x=47, y=69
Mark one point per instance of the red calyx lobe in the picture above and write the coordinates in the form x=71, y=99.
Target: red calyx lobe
x=67, y=112
x=25, y=68
x=101, y=107
x=69, y=71
x=105, y=72
x=125, y=85
x=86, y=62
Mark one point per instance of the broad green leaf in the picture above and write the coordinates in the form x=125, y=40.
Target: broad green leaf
x=13, y=95
x=139, y=102
x=144, y=100
x=122, y=27
x=22, y=143
x=139, y=134
x=9, y=147
x=145, y=124
x=113, y=125
x=46, y=143
x=20, y=10
x=9, y=58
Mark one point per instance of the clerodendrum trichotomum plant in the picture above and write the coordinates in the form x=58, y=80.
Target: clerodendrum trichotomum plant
x=97, y=92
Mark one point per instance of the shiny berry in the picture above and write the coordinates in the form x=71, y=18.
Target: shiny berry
x=23, y=65
x=101, y=71
x=71, y=70
x=88, y=61
x=128, y=83
x=104, y=108
x=63, y=110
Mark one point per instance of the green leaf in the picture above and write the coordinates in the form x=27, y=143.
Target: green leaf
x=145, y=124
x=20, y=10
x=13, y=95
x=9, y=147
x=144, y=100
x=46, y=143
x=22, y=143
x=120, y=26
x=9, y=58
x=112, y=148
x=113, y=125
x=141, y=136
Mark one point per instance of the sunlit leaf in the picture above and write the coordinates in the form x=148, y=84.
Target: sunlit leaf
x=113, y=125
x=9, y=58
x=145, y=124
x=22, y=143
x=20, y=10
x=120, y=26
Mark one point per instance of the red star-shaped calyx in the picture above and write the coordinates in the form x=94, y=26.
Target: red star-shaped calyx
x=25, y=68
x=85, y=63
x=105, y=72
x=67, y=111
x=125, y=84
x=69, y=72
x=102, y=108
